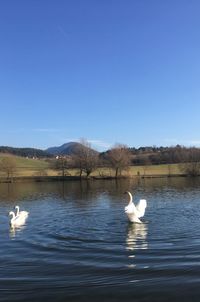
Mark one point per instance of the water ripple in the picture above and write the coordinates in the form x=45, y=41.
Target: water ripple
x=83, y=246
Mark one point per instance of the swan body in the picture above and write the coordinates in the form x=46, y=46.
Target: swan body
x=17, y=220
x=21, y=213
x=135, y=212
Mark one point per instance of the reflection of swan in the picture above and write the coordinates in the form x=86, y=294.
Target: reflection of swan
x=135, y=212
x=137, y=236
x=15, y=229
x=21, y=213
x=17, y=220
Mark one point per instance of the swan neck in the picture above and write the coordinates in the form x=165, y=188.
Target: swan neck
x=13, y=215
x=130, y=198
x=17, y=208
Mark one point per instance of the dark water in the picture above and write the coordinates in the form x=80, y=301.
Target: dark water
x=77, y=244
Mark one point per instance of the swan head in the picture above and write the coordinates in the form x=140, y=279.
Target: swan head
x=17, y=207
x=129, y=194
x=11, y=213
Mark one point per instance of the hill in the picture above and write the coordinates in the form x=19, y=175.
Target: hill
x=67, y=149
x=26, y=166
x=24, y=152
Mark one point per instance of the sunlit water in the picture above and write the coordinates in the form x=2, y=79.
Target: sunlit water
x=77, y=244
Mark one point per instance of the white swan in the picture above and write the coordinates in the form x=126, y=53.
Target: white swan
x=21, y=213
x=16, y=220
x=135, y=212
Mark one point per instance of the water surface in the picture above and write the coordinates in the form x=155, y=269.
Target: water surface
x=77, y=244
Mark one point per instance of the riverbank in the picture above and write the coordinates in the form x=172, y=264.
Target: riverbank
x=78, y=178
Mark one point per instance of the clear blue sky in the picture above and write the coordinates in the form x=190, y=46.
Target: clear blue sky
x=110, y=71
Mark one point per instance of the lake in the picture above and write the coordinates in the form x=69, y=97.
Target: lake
x=77, y=244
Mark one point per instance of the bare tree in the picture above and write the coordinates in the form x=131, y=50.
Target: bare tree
x=169, y=167
x=8, y=165
x=119, y=158
x=192, y=164
x=61, y=164
x=191, y=169
x=146, y=163
x=85, y=158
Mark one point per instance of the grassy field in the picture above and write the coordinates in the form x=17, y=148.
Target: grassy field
x=151, y=170
x=26, y=166
x=38, y=167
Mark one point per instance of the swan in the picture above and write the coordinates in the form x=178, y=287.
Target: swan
x=21, y=213
x=135, y=212
x=16, y=220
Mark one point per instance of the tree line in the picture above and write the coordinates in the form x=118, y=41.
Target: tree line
x=118, y=158
x=87, y=160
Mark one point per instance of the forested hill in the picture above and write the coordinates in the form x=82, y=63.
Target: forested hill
x=164, y=155
x=25, y=152
x=138, y=156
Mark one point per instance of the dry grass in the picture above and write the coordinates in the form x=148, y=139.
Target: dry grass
x=171, y=169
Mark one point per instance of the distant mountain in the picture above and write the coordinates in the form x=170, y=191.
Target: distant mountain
x=30, y=152
x=66, y=149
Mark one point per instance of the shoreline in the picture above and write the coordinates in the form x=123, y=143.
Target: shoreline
x=78, y=178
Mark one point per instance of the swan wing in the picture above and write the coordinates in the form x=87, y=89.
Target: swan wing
x=17, y=221
x=133, y=218
x=141, y=206
x=23, y=213
x=131, y=208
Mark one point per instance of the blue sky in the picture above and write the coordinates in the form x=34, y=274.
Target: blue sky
x=110, y=71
